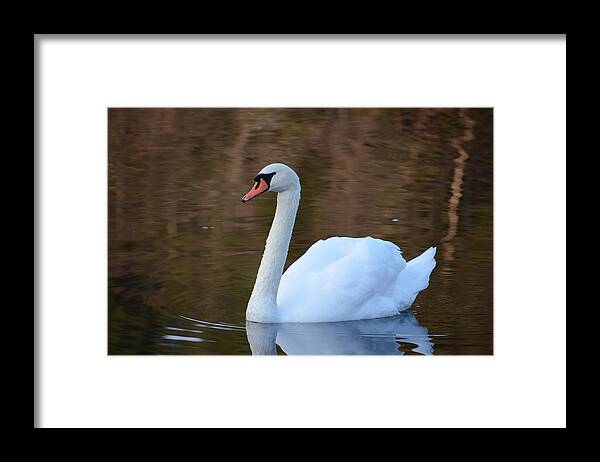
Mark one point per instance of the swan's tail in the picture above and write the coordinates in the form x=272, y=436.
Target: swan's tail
x=414, y=278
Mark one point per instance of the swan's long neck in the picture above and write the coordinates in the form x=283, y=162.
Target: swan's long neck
x=262, y=306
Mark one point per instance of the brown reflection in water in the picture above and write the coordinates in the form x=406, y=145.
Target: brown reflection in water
x=181, y=242
x=456, y=188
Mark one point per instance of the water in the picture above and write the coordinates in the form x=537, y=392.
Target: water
x=184, y=251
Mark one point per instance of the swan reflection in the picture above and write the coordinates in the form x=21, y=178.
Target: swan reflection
x=381, y=336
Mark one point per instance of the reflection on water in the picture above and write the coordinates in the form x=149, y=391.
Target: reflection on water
x=183, y=249
x=395, y=335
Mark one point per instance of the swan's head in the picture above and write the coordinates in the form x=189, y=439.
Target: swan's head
x=274, y=178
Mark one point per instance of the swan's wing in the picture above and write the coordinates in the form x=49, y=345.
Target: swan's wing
x=414, y=278
x=321, y=254
x=342, y=278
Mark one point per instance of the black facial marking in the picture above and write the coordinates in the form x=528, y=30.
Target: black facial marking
x=265, y=176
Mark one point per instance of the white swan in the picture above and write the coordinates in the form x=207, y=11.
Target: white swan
x=337, y=279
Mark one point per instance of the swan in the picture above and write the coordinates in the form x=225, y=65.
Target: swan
x=337, y=279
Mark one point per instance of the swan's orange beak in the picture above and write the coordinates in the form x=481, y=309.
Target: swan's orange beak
x=259, y=187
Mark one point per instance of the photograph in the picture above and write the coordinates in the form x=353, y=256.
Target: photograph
x=252, y=231
x=300, y=231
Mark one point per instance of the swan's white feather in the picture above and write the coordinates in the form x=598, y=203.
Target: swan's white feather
x=344, y=278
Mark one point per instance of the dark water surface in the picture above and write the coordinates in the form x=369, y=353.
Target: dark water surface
x=184, y=251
